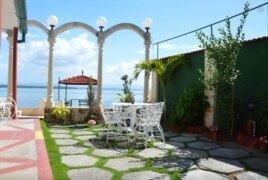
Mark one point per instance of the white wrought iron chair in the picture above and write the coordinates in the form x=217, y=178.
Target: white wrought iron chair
x=147, y=125
x=156, y=128
x=8, y=108
x=112, y=123
x=126, y=116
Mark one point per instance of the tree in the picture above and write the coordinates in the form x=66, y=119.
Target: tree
x=162, y=69
x=222, y=54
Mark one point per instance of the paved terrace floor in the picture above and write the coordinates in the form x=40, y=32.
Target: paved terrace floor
x=23, y=155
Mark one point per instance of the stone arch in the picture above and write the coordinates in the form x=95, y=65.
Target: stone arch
x=39, y=25
x=125, y=26
x=72, y=25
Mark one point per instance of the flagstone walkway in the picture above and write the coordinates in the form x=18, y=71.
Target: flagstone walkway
x=23, y=156
x=201, y=157
x=23, y=153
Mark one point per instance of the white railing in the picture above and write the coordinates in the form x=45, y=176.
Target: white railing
x=6, y=106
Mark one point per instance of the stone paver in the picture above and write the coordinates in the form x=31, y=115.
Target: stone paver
x=126, y=163
x=89, y=174
x=190, y=135
x=82, y=133
x=257, y=163
x=88, y=144
x=205, y=139
x=108, y=152
x=61, y=136
x=84, y=138
x=177, y=144
x=145, y=175
x=201, y=175
x=174, y=163
x=190, y=153
x=220, y=165
x=250, y=176
x=72, y=150
x=65, y=141
x=162, y=145
x=203, y=145
x=152, y=153
x=78, y=160
x=229, y=153
x=99, y=129
x=58, y=131
x=169, y=134
x=183, y=139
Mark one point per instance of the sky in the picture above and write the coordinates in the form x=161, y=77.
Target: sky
x=77, y=50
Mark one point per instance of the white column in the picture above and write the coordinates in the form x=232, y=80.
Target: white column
x=147, y=44
x=154, y=88
x=10, y=62
x=100, y=43
x=50, y=101
x=210, y=93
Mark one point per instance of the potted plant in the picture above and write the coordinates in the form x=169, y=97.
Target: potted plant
x=61, y=114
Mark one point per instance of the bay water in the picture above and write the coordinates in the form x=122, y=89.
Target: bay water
x=30, y=97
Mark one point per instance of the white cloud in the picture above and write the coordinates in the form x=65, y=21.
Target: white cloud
x=32, y=36
x=113, y=73
x=66, y=52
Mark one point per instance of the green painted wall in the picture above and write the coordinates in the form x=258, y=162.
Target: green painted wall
x=184, y=76
x=253, y=65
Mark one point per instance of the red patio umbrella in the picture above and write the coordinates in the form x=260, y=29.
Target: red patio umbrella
x=76, y=80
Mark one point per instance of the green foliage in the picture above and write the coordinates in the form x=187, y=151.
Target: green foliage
x=128, y=95
x=191, y=107
x=60, y=112
x=162, y=69
x=221, y=69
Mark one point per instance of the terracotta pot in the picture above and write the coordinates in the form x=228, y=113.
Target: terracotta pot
x=264, y=148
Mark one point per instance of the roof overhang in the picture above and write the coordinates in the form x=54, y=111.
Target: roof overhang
x=14, y=14
x=9, y=18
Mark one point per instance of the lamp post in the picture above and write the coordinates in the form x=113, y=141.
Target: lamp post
x=147, y=24
x=52, y=22
x=101, y=23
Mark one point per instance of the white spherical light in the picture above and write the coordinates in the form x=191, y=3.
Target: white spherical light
x=101, y=22
x=52, y=20
x=147, y=23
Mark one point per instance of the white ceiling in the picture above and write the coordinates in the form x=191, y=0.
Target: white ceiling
x=9, y=18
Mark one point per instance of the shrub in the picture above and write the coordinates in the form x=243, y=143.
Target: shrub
x=191, y=107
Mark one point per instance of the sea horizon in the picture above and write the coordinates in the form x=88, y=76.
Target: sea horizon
x=30, y=96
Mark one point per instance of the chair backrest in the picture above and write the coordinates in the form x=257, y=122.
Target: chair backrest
x=6, y=106
x=109, y=115
x=155, y=110
x=125, y=112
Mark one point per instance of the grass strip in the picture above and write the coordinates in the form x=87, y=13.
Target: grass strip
x=59, y=170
